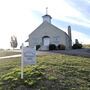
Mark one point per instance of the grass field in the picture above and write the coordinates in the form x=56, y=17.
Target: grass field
x=63, y=72
x=86, y=46
x=7, y=53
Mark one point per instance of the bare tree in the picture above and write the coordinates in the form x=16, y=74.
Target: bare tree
x=13, y=42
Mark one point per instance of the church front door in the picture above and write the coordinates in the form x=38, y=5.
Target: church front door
x=46, y=41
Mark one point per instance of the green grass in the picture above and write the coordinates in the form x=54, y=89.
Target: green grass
x=61, y=72
x=6, y=65
x=7, y=53
x=86, y=46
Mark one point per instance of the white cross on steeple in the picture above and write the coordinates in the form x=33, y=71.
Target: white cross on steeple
x=46, y=10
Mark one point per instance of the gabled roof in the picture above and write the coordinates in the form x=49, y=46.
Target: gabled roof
x=45, y=23
x=27, y=40
x=47, y=15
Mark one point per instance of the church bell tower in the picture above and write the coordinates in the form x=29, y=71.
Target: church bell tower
x=47, y=17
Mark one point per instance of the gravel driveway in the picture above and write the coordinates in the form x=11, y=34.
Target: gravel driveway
x=77, y=52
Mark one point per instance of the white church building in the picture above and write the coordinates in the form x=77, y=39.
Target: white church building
x=46, y=34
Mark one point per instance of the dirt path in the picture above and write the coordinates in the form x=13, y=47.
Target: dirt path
x=12, y=56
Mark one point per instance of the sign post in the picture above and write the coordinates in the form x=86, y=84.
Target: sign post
x=28, y=57
x=22, y=62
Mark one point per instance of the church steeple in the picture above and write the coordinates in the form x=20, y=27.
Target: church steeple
x=47, y=17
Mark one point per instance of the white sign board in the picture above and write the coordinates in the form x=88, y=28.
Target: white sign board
x=29, y=56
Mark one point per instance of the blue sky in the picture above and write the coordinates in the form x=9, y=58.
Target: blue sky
x=21, y=17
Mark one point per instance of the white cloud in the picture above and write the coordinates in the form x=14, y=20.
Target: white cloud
x=88, y=1
x=83, y=38
x=67, y=13
x=61, y=10
x=79, y=21
x=16, y=17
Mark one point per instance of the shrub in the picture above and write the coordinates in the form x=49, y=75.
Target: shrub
x=32, y=76
x=52, y=47
x=37, y=47
x=77, y=46
x=61, y=47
